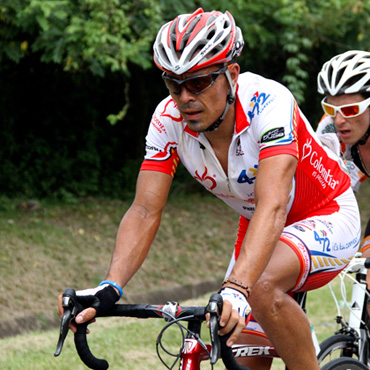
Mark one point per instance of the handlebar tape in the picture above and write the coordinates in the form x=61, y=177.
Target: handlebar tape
x=84, y=352
x=228, y=357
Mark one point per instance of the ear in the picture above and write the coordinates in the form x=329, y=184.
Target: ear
x=234, y=72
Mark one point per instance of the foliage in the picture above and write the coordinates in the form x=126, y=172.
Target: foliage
x=92, y=34
x=66, y=66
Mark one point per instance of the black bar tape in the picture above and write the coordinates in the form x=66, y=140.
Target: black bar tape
x=228, y=357
x=84, y=352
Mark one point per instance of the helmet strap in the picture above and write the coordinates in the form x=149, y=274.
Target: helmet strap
x=229, y=100
x=365, y=137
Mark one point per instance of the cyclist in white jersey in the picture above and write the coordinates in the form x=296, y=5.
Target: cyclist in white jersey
x=345, y=126
x=244, y=138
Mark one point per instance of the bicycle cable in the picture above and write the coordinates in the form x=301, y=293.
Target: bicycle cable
x=335, y=299
x=183, y=330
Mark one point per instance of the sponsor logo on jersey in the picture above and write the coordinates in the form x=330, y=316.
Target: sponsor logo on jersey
x=153, y=148
x=211, y=182
x=321, y=237
x=300, y=228
x=320, y=173
x=272, y=135
x=248, y=177
x=158, y=124
x=258, y=103
x=352, y=244
x=169, y=150
x=239, y=150
x=171, y=105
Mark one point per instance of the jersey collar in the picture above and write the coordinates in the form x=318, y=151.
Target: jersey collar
x=241, y=118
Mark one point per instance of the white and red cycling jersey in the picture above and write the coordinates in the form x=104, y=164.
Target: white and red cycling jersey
x=268, y=122
x=328, y=135
x=323, y=223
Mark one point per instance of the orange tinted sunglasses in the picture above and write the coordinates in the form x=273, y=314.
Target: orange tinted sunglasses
x=348, y=110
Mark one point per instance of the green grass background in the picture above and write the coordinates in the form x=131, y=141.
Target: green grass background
x=46, y=247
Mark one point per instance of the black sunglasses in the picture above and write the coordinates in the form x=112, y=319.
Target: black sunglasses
x=195, y=85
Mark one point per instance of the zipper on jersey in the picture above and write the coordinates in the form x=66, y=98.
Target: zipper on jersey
x=217, y=162
x=228, y=183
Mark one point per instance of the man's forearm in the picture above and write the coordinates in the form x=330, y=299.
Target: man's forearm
x=134, y=238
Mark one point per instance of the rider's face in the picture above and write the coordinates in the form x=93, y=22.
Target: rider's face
x=201, y=110
x=350, y=130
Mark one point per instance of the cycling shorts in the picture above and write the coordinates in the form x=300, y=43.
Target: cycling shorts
x=365, y=245
x=324, y=245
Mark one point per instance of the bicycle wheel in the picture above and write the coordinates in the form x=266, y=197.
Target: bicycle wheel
x=345, y=363
x=340, y=345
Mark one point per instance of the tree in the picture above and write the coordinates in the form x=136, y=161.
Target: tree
x=92, y=60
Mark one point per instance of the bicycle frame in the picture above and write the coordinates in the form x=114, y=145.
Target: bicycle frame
x=193, y=353
x=358, y=324
x=358, y=310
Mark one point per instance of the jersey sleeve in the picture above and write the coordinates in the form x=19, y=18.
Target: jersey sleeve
x=277, y=123
x=161, y=141
x=327, y=134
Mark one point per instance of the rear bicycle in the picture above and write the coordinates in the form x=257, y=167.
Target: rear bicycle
x=343, y=363
x=352, y=341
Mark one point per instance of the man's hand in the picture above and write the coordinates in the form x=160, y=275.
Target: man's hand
x=234, y=313
x=97, y=300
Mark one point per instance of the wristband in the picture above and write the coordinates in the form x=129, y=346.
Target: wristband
x=237, y=283
x=114, y=285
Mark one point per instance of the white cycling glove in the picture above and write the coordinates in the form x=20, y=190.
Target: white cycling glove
x=238, y=301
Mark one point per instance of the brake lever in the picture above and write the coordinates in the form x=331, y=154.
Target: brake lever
x=70, y=311
x=214, y=308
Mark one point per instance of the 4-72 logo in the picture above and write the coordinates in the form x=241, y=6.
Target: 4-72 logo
x=244, y=178
x=257, y=101
x=323, y=239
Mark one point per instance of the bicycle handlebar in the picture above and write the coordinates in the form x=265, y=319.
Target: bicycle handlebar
x=144, y=311
x=358, y=264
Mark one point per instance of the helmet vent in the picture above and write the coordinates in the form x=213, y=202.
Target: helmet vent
x=195, y=41
x=210, y=35
x=347, y=73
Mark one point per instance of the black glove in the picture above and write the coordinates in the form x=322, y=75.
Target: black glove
x=102, y=298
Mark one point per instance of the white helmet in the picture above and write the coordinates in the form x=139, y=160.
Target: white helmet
x=346, y=73
x=198, y=40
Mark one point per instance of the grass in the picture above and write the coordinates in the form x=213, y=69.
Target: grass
x=53, y=246
x=47, y=247
x=130, y=344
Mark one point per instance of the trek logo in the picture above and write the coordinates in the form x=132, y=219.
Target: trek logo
x=204, y=178
x=258, y=104
x=189, y=345
x=274, y=134
x=320, y=173
x=246, y=350
x=249, y=177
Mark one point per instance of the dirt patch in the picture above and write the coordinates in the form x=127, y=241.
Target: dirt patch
x=19, y=325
